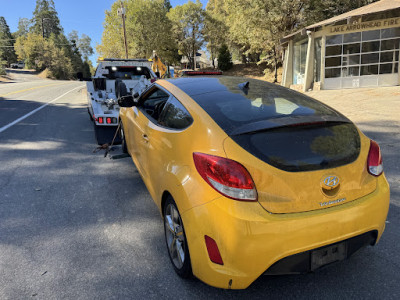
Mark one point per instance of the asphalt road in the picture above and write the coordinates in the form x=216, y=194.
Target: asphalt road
x=76, y=225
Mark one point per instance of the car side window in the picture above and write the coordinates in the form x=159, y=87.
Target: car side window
x=153, y=103
x=175, y=115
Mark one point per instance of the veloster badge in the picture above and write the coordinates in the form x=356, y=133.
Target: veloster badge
x=330, y=182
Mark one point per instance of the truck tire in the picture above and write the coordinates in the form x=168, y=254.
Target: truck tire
x=120, y=88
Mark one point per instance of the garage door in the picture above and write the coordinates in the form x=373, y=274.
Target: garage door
x=362, y=59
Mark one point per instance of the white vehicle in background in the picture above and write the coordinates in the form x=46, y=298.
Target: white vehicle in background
x=114, y=78
x=18, y=65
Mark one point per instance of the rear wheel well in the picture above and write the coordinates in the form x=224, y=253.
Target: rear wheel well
x=163, y=199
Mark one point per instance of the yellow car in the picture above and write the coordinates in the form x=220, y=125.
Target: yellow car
x=252, y=178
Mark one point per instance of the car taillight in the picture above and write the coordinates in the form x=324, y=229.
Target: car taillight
x=100, y=120
x=213, y=251
x=226, y=176
x=108, y=120
x=375, y=166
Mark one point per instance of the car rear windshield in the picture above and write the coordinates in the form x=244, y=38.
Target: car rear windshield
x=304, y=147
x=127, y=72
x=232, y=107
x=284, y=128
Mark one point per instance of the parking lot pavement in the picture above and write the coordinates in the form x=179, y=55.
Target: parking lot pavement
x=76, y=225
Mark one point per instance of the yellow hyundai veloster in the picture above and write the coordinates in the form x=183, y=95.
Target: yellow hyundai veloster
x=253, y=178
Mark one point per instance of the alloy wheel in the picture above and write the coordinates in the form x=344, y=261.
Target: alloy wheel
x=174, y=236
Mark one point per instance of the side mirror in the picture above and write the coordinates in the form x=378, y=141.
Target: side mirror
x=126, y=101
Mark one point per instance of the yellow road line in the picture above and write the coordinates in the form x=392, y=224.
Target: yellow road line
x=32, y=88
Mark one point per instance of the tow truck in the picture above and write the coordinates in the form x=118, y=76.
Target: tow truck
x=114, y=78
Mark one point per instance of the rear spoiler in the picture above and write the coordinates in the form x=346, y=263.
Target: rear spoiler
x=196, y=73
x=287, y=121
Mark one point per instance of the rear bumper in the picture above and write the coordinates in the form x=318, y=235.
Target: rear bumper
x=252, y=240
x=303, y=262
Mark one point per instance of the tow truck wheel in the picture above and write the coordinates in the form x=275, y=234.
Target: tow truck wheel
x=120, y=88
x=122, y=137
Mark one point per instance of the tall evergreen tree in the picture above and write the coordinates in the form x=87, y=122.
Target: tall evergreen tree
x=167, y=5
x=23, y=27
x=45, y=19
x=7, y=52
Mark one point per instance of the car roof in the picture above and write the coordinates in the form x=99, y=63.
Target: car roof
x=200, y=85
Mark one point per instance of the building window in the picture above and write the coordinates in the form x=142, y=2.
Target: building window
x=334, y=39
x=369, y=53
x=299, y=62
x=317, y=59
x=352, y=37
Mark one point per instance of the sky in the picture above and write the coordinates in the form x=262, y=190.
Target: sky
x=85, y=16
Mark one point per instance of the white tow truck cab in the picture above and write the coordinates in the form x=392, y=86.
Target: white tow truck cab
x=105, y=89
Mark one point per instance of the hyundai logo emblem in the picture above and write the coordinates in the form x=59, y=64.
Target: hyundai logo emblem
x=331, y=182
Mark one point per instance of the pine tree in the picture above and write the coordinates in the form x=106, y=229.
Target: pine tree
x=45, y=19
x=7, y=52
x=224, y=58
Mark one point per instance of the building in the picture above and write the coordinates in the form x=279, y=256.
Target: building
x=357, y=49
x=202, y=62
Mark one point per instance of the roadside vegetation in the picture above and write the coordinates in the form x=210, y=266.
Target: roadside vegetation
x=243, y=31
x=249, y=31
x=41, y=43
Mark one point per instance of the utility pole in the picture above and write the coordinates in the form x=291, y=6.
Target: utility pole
x=121, y=12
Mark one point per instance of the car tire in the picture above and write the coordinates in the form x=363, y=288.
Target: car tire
x=122, y=137
x=175, y=239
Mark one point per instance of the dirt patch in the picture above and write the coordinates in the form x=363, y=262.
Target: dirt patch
x=44, y=74
x=253, y=70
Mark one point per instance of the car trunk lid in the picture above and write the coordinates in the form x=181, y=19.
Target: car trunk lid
x=304, y=166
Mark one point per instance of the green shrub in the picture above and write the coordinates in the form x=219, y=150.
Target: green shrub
x=2, y=68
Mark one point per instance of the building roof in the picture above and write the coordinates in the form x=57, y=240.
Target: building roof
x=376, y=7
x=379, y=6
